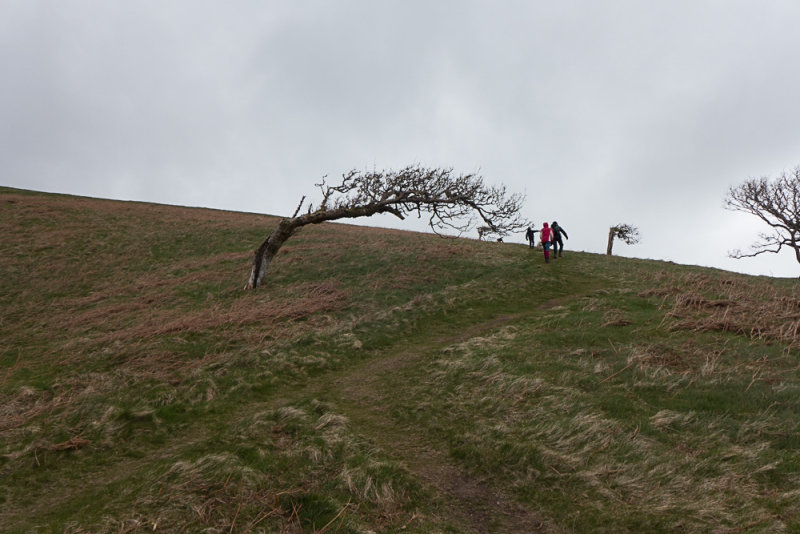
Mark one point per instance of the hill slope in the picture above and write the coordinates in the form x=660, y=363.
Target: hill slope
x=381, y=381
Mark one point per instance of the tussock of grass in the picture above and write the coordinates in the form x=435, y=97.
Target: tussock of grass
x=731, y=305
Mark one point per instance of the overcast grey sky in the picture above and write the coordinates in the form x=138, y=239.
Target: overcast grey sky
x=600, y=111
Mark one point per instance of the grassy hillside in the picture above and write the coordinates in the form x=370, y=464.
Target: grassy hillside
x=382, y=381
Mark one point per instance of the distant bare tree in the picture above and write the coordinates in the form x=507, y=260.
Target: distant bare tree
x=450, y=201
x=777, y=203
x=627, y=233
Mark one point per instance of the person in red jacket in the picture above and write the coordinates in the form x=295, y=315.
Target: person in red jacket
x=546, y=234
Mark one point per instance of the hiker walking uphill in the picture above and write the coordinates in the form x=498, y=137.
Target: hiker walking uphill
x=558, y=243
x=530, y=235
x=546, y=233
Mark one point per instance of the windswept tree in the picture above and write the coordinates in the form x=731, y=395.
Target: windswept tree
x=451, y=202
x=777, y=203
x=627, y=233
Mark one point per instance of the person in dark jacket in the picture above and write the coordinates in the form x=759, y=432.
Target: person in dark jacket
x=558, y=243
x=530, y=236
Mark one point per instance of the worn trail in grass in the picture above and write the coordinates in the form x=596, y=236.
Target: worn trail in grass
x=366, y=394
x=474, y=502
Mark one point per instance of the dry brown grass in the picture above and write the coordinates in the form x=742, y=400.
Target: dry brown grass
x=616, y=318
x=24, y=405
x=302, y=301
x=736, y=305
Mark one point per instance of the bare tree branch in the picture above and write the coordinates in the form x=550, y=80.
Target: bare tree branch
x=776, y=203
x=452, y=202
x=300, y=205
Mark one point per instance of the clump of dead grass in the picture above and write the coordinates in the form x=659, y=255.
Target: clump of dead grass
x=27, y=403
x=298, y=302
x=616, y=318
x=737, y=305
x=321, y=437
x=214, y=492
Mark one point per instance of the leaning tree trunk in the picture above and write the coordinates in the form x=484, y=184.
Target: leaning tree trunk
x=287, y=227
x=264, y=254
x=611, y=234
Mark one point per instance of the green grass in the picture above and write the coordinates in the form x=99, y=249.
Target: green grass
x=380, y=381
